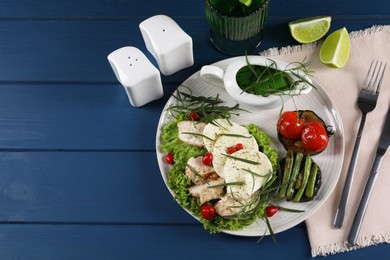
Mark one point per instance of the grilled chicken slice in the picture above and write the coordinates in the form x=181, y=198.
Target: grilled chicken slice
x=228, y=207
x=191, y=132
x=203, y=172
x=204, y=194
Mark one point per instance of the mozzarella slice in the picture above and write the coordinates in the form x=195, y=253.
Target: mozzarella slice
x=251, y=169
x=190, y=132
x=223, y=143
x=219, y=126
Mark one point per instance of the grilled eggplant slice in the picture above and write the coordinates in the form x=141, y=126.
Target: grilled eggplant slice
x=295, y=144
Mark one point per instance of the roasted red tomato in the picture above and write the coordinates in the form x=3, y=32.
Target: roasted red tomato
x=314, y=137
x=290, y=125
x=305, y=118
x=208, y=211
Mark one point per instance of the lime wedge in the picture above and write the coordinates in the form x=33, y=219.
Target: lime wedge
x=310, y=29
x=336, y=48
x=246, y=2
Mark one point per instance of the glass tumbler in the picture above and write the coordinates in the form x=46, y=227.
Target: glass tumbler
x=236, y=29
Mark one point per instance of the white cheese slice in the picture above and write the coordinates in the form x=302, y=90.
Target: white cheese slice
x=251, y=175
x=219, y=126
x=223, y=143
x=191, y=132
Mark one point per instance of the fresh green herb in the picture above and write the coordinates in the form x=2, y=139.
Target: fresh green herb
x=271, y=232
x=208, y=108
x=196, y=173
x=235, y=135
x=216, y=123
x=236, y=7
x=198, y=134
x=227, y=184
x=241, y=159
x=290, y=210
x=268, y=80
x=255, y=174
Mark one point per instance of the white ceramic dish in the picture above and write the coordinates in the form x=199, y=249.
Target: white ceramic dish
x=226, y=78
x=330, y=161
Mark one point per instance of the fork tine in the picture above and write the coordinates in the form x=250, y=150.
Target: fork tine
x=367, y=76
x=375, y=84
x=380, y=81
x=372, y=79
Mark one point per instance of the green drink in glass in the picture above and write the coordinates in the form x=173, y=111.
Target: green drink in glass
x=236, y=26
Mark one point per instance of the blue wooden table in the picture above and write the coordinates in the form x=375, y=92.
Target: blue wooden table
x=78, y=172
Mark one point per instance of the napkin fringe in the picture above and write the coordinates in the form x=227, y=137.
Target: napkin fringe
x=368, y=31
x=335, y=248
x=310, y=46
x=289, y=49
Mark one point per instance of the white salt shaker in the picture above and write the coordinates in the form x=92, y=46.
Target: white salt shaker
x=141, y=80
x=168, y=43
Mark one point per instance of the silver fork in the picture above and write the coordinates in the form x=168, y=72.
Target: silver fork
x=367, y=100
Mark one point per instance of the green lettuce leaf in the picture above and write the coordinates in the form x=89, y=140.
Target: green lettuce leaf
x=178, y=182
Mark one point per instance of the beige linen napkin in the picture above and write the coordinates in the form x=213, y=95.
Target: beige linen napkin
x=343, y=86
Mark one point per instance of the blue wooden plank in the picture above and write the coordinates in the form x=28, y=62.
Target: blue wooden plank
x=96, y=9
x=76, y=51
x=156, y=242
x=71, y=51
x=140, y=242
x=85, y=116
x=74, y=116
x=86, y=187
x=123, y=9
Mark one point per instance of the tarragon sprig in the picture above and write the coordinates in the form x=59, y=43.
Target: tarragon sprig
x=208, y=108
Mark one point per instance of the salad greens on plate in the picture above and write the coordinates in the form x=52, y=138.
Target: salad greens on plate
x=246, y=204
x=221, y=140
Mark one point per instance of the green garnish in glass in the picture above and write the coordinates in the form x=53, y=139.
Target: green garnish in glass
x=236, y=7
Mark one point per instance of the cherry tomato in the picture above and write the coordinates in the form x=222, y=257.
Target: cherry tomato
x=208, y=211
x=239, y=146
x=169, y=158
x=231, y=149
x=271, y=210
x=194, y=116
x=314, y=137
x=290, y=125
x=207, y=159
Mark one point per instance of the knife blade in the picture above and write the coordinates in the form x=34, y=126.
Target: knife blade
x=384, y=142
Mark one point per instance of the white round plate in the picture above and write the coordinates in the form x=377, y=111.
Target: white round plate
x=330, y=161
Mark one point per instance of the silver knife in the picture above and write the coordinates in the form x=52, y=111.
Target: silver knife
x=384, y=142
